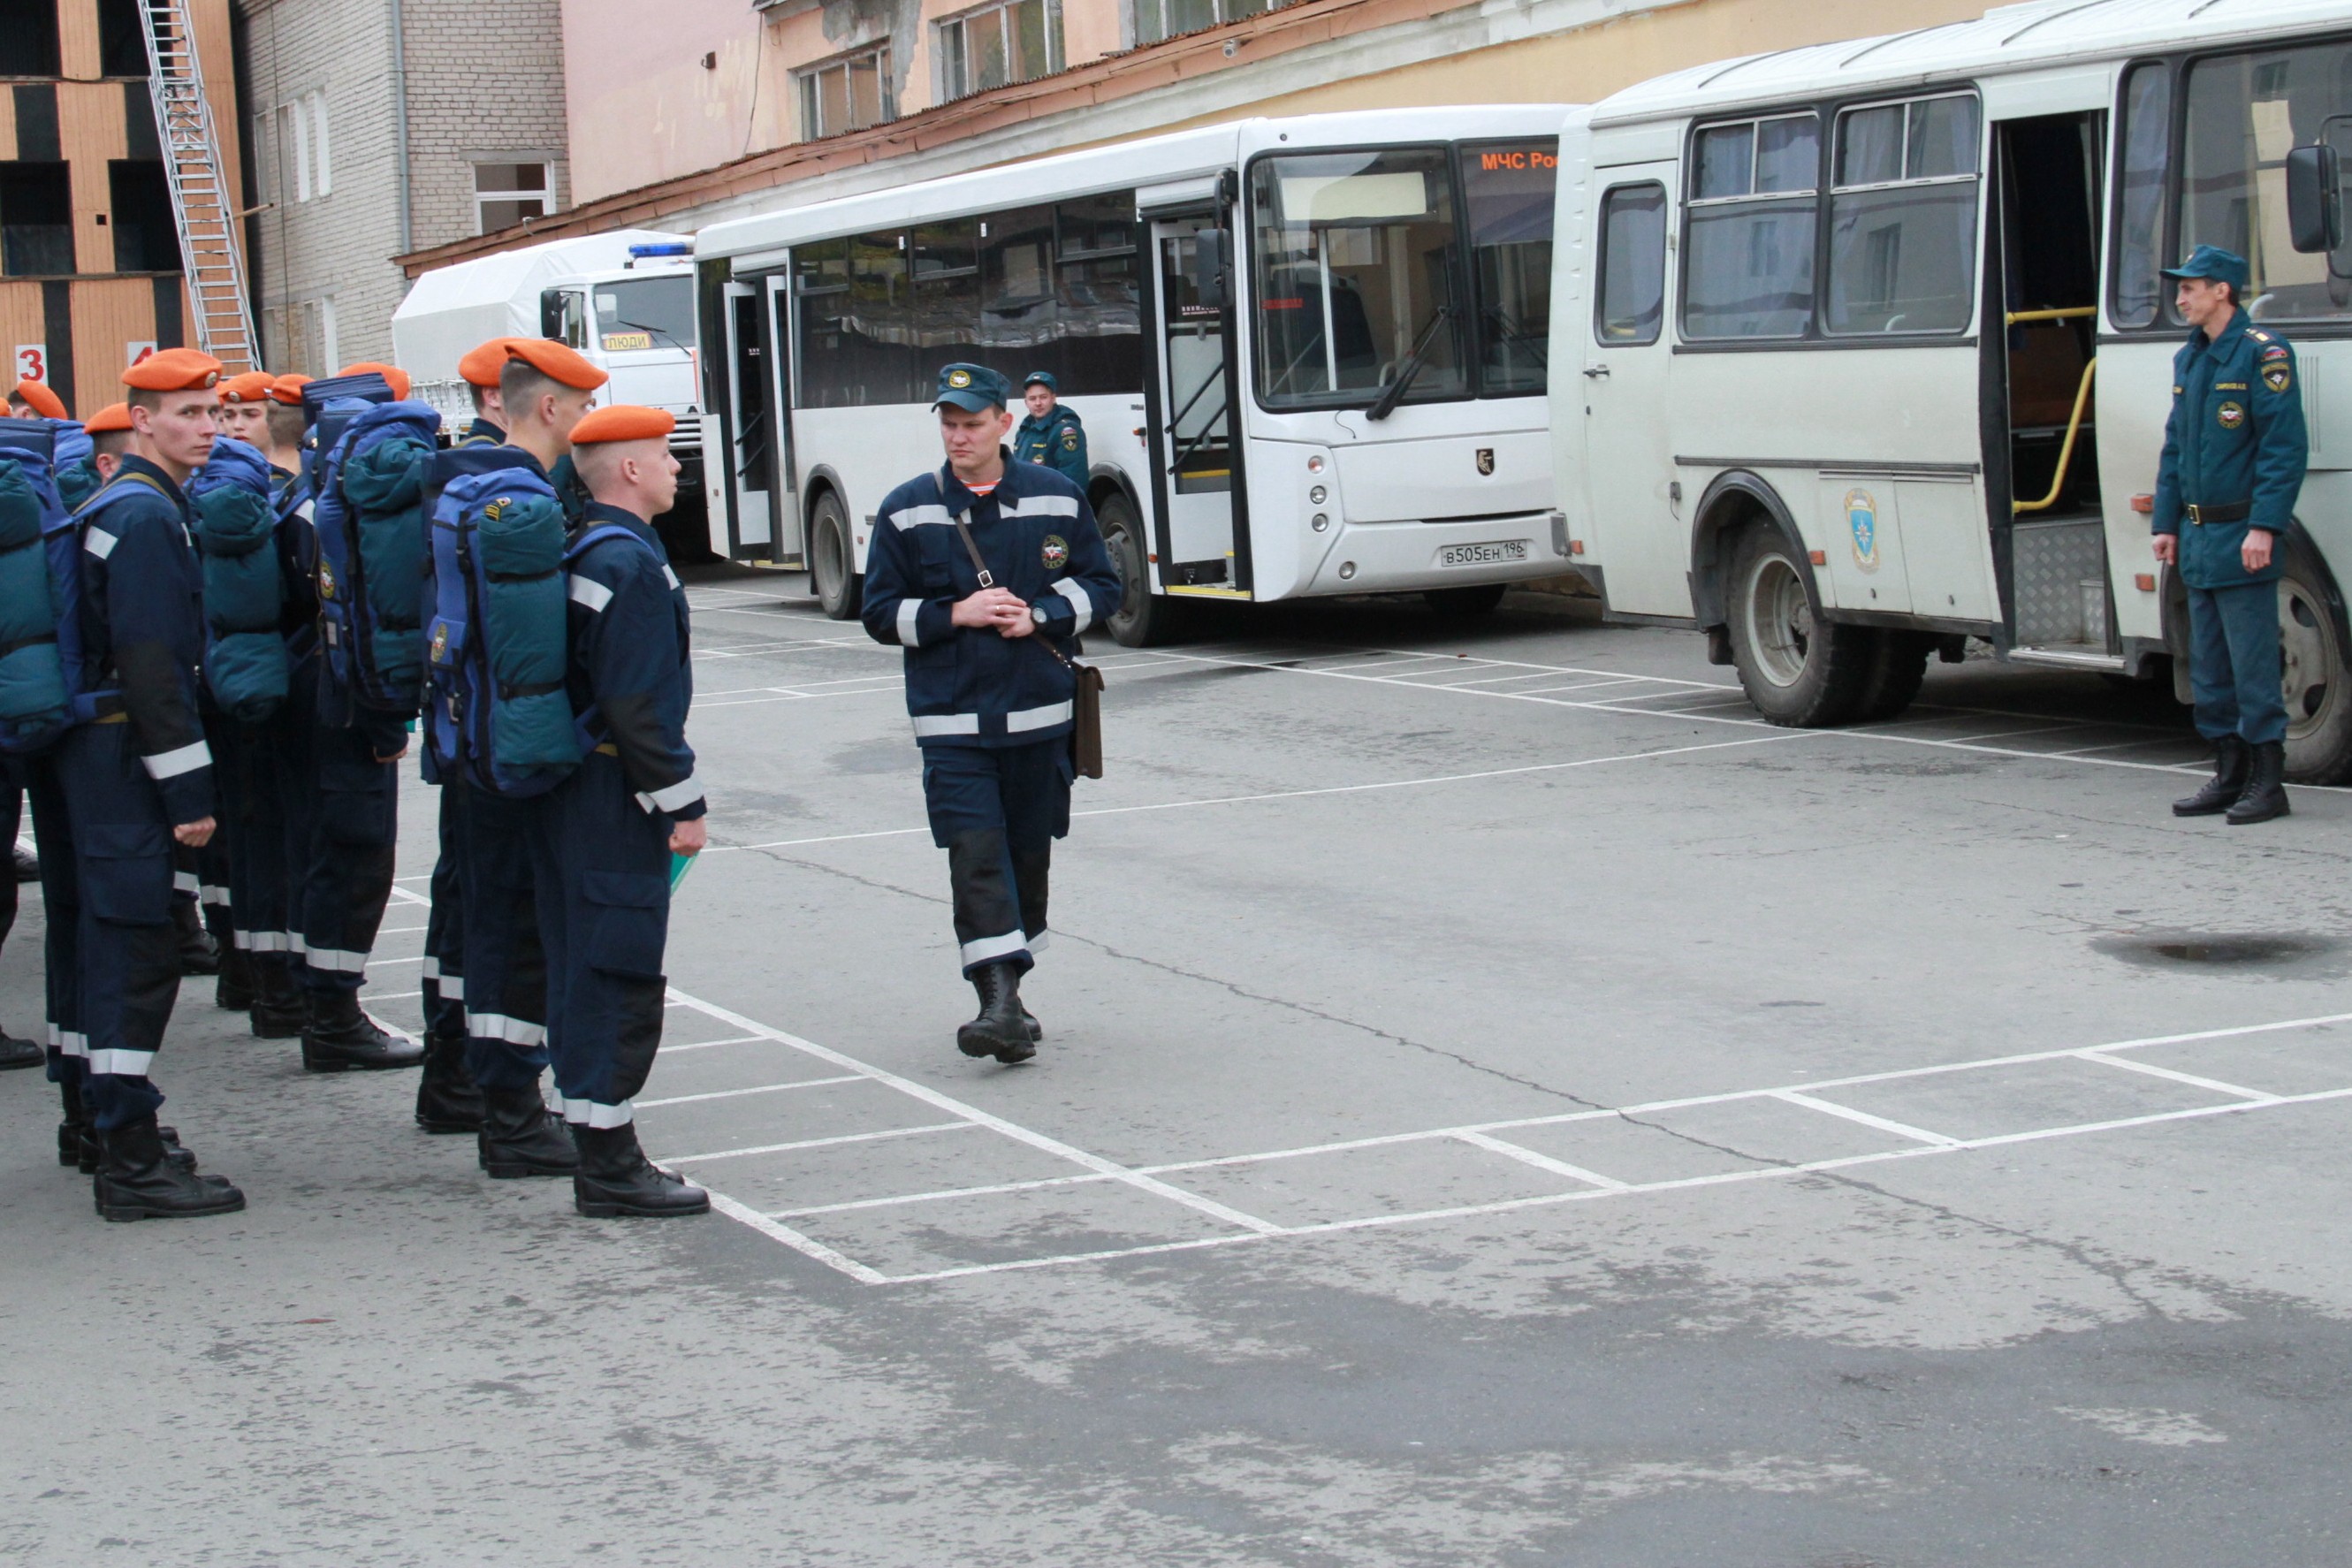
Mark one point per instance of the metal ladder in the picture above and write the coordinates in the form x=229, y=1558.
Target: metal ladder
x=200, y=196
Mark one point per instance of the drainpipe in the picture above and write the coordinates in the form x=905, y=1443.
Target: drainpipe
x=400, y=124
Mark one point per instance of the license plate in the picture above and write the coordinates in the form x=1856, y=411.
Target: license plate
x=1483, y=554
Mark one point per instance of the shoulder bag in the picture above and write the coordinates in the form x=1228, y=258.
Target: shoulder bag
x=1086, y=701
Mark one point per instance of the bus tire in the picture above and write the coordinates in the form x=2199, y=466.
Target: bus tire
x=2313, y=668
x=1465, y=603
x=839, y=591
x=1143, y=619
x=1898, y=664
x=1796, y=668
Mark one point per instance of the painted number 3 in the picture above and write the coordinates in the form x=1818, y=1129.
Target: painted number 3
x=32, y=362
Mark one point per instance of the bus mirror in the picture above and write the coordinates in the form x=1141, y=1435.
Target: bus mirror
x=2314, y=207
x=550, y=313
x=1211, y=254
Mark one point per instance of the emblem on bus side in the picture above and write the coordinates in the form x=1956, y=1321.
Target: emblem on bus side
x=1861, y=517
x=1486, y=461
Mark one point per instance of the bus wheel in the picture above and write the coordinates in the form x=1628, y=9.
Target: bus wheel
x=1797, y=670
x=838, y=590
x=2317, y=687
x=1897, y=665
x=1465, y=603
x=1142, y=618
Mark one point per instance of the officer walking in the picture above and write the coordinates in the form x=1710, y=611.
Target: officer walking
x=139, y=780
x=603, y=840
x=988, y=685
x=1050, y=435
x=2234, y=453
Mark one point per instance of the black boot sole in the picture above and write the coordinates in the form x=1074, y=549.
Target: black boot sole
x=2252, y=817
x=447, y=1124
x=2182, y=808
x=974, y=1041
x=315, y=1059
x=70, y=1151
x=606, y=1208
x=124, y=1213
x=518, y=1169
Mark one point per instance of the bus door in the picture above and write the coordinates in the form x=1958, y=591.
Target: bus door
x=750, y=423
x=2050, y=549
x=785, y=511
x=1629, y=469
x=1201, y=546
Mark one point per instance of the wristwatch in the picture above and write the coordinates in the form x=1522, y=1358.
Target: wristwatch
x=1037, y=614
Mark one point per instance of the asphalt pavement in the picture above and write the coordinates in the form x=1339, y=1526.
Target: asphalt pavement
x=1501, y=1103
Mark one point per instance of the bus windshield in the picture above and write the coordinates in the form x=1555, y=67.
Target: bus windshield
x=645, y=313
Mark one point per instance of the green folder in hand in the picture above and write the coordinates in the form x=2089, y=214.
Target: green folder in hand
x=680, y=865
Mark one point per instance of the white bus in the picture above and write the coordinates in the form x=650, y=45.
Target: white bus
x=1862, y=350
x=1309, y=354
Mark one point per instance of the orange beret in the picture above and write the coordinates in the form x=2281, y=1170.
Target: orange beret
x=556, y=362
x=481, y=365
x=623, y=422
x=288, y=389
x=173, y=370
x=113, y=417
x=395, y=377
x=40, y=399
x=251, y=387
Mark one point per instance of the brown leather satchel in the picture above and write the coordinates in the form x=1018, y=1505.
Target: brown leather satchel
x=1085, y=698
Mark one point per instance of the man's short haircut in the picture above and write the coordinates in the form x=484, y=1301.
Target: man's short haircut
x=112, y=443
x=482, y=393
x=140, y=397
x=522, y=384
x=286, y=424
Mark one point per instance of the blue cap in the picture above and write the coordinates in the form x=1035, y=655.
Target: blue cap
x=972, y=387
x=2212, y=261
x=1041, y=378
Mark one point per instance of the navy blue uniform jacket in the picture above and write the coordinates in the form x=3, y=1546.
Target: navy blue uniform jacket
x=2236, y=435
x=972, y=686
x=143, y=627
x=1058, y=441
x=630, y=659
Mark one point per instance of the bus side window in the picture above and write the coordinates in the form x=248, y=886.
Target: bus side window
x=1630, y=305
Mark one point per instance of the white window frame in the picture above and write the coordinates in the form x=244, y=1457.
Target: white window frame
x=1135, y=10
x=544, y=194
x=1002, y=10
x=809, y=95
x=291, y=118
x=324, y=169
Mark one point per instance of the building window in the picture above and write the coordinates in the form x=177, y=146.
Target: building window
x=1015, y=41
x=1158, y=19
x=847, y=94
x=302, y=148
x=35, y=220
x=145, y=238
x=509, y=194
x=121, y=47
x=28, y=37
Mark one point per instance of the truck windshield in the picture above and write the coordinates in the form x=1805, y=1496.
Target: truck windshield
x=1358, y=261
x=645, y=313
x=2244, y=112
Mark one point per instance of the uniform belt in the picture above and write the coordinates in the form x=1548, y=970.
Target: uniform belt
x=608, y=749
x=2229, y=512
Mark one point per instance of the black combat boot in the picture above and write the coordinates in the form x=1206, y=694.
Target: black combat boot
x=199, y=954
x=1001, y=1030
x=73, y=1130
x=447, y=1098
x=2265, y=795
x=2218, y=792
x=521, y=1137
x=137, y=1179
x=279, y=1013
x=340, y=1036
x=15, y=1053
x=233, y=991
x=615, y=1178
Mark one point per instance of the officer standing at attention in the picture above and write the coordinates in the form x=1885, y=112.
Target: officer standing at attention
x=140, y=779
x=991, y=694
x=2234, y=453
x=244, y=408
x=603, y=837
x=1050, y=435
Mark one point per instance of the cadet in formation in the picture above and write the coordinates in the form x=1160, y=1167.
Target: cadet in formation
x=988, y=571
x=2234, y=453
x=1051, y=434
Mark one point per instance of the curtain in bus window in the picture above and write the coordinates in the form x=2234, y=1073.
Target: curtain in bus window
x=1100, y=322
x=1633, y=267
x=946, y=316
x=2244, y=112
x=877, y=324
x=821, y=373
x=1748, y=235
x=1508, y=190
x=2145, y=196
x=1903, y=245
x=1356, y=257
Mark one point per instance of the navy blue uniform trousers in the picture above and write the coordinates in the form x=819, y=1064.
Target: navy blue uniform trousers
x=996, y=810
x=443, y=987
x=341, y=845
x=263, y=779
x=2234, y=662
x=61, y=918
x=127, y=952
x=504, y=966
x=602, y=864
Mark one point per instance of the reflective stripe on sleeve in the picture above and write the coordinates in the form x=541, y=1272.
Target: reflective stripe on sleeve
x=947, y=724
x=686, y=792
x=988, y=949
x=498, y=1027
x=171, y=764
x=671, y=577
x=1023, y=719
x=98, y=542
x=1040, y=506
x=1081, y=605
x=907, y=610
x=588, y=1113
x=589, y=592
x=121, y=1063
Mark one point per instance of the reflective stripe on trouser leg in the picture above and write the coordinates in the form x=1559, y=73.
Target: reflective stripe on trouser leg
x=504, y=963
x=600, y=867
x=349, y=878
x=987, y=909
x=1030, y=875
x=443, y=985
x=61, y=916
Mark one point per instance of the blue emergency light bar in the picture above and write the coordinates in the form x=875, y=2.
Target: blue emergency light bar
x=667, y=247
